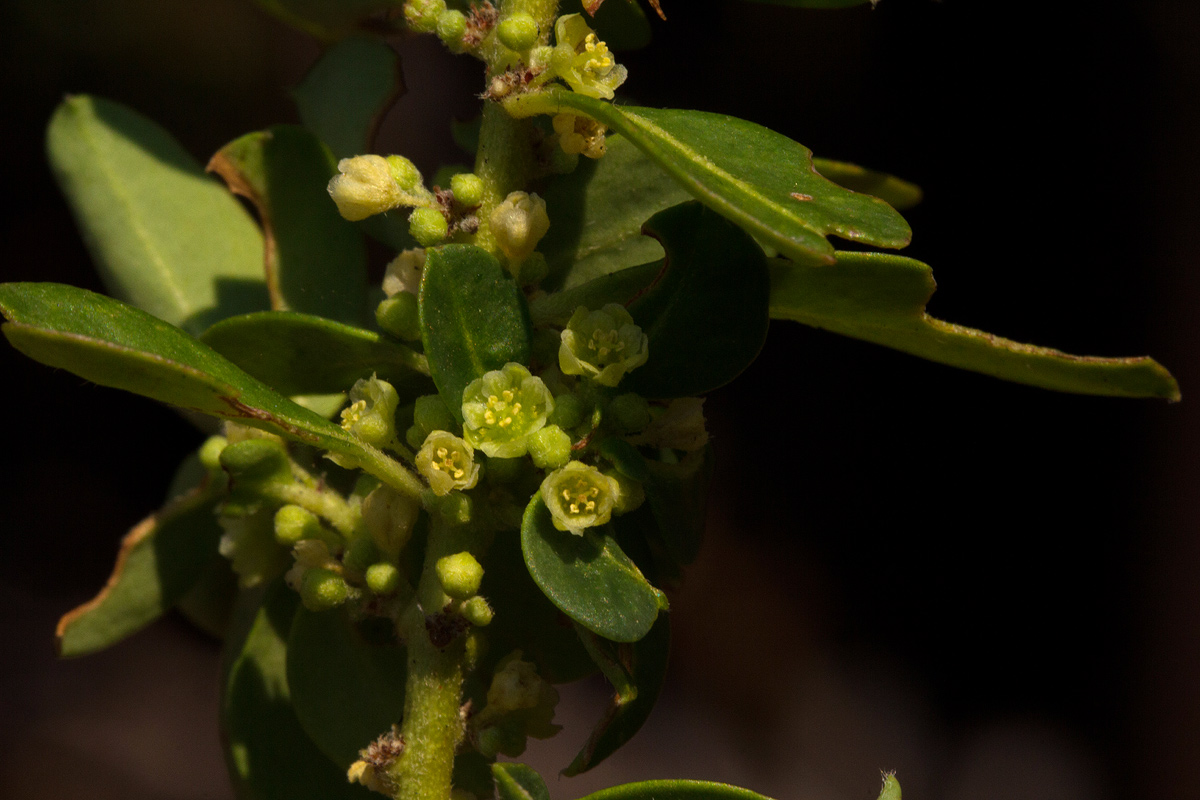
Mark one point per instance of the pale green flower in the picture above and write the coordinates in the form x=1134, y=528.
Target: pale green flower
x=603, y=345
x=518, y=224
x=371, y=415
x=448, y=463
x=583, y=61
x=501, y=409
x=579, y=496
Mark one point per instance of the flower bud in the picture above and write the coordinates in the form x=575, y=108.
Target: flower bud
x=579, y=496
x=403, y=273
x=428, y=226
x=364, y=186
x=451, y=25
x=602, y=345
x=550, y=447
x=383, y=578
x=476, y=611
x=371, y=415
x=293, y=524
x=447, y=463
x=517, y=32
x=210, y=452
x=321, y=589
x=518, y=224
x=422, y=15
x=459, y=575
x=501, y=410
x=399, y=316
x=467, y=188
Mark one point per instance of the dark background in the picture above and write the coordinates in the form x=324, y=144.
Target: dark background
x=991, y=588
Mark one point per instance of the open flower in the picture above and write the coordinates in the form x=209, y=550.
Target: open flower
x=579, y=496
x=501, y=409
x=371, y=415
x=448, y=463
x=583, y=61
x=602, y=345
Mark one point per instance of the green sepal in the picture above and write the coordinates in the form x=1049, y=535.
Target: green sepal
x=518, y=782
x=267, y=751
x=303, y=354
x=897, y=193
x=473, y=319
x=881, y=298
x=112, y=344
x=707, y=316
x=345, y=95
x=314, y=261
x=165, y=237
x=346, y=691
x=637, y=672
x=588, y=577
x=160, y=560
x=760, y=180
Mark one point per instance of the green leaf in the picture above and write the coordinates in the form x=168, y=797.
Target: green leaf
x=674, y=790
x=759, y=179
x=473, y=319
x=346, y=691
x=893, y=191
x=345, y=95
x=298, y=354
x=165, y=237
x=588, y=577
x=881, y=298
x=326, y=19
x=615, y=287
x=160, y=559
x=112, y=344
x=637, y=672
x=315, y=261
x=268, y=754
x=677, y=495
x=519, y=782
x=596, y=214
x=209, y=603
x=707, y=317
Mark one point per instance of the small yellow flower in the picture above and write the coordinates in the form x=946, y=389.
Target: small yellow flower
x=579, y=496
x=448, y=463
x=583, y=61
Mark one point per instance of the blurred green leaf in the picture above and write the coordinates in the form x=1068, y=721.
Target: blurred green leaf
x=897, y=193
x=165, y=237
x=268, y=754
x=620, y=24
x=615, y=287
x=881, y=298
x=326, y=19
x=588, y=577
x=299, y=354
x=707, y=316
x=160, y=559
x=597, y=211
x=759, y=179
x=637, y=672
x=674, y=790
x=519, y=782
x=315, y=261
x=345, y=95
x=473, y=319
x=209, y=603
x=346, y=691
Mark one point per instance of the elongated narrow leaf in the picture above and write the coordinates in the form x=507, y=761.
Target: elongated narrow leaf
x=637, y=672
x=346, y=691
x=597, y=211
x=326, y=19
x=674, y=790
x=302, y=354
x=473, y=319
x=314, y=260
x=897, y=193
x=344, y=96
x=707, y=317
x=881, y=298
x=755, y=177
x=112, y=344
x=519, y=782
x=588, y=577
x=160, y=560
x=165, y=237
x=268, y=754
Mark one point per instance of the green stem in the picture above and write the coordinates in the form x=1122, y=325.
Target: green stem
x=326, y=504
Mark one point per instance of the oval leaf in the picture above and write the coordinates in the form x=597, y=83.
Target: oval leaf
x=160, y=560
x=519, y=782
x=637, y=672
x=314, y=260
x=759, y=179
x=346, y=691
x=302, y=354
x=473, y=319
x=896, y=193
x=112, y=344
x=881, y=298
x=588, y=577
x=615, y=287
x=707, y=316
x=165, y=237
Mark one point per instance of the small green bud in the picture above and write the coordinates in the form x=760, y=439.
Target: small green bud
x=293, y=524
x=430, y=414
x=518, y=224
x=518, y=32
x=389, y=517
x=405, y=174
x=476, y=611
x=360, y=555
x=501, y=410
x=467, y=188
x=383, y=578
x=459, y=575
x=451, y=25
x=579, y=496
x=628, y=413
x=256, y=462
x=602, y=345
x=422, y=15
x=322, y=588
x=568, y=411
x=398, y=316
x=447, y=463
x=371, y=415
x=428, y=226
x=550, y=447
x=210, y=452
